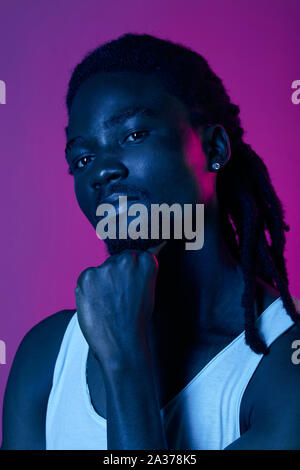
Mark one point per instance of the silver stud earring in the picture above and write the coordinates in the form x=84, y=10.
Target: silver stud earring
x=216, y=166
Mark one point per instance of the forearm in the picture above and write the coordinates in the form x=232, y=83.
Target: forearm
x=132, y=408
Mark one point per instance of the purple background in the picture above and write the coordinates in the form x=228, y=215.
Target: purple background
x=45, y=240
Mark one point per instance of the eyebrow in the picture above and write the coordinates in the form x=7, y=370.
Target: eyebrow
x=116, y=119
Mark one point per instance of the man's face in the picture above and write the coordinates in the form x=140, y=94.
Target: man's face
x=128, y=136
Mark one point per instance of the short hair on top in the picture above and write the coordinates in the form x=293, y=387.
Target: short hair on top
x=251, y=214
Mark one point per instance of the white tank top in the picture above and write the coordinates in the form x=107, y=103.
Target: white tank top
x=205, y=414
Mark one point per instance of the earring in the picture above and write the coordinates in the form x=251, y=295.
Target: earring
x=216, y=166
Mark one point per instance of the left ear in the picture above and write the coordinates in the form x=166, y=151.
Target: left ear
x=216, y=146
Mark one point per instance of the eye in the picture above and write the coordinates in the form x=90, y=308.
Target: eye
x=83, y=161
x=136, y=136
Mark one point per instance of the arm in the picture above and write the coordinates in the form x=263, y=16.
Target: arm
x=114, y=306
x=29, y=384
x=132, y=408
x=274, y=403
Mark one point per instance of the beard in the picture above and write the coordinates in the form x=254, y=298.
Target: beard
x=141, y=226
x=116, y=246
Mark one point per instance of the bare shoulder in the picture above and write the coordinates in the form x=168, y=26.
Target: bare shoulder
x=271, y=406
x=273, y=390
x=41, y=344
x=37, y=352
x=51, y=328
x=29, y=383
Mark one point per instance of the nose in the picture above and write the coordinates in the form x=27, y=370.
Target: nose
x=109, y=172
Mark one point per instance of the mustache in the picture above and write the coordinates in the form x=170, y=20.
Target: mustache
x=127, y=189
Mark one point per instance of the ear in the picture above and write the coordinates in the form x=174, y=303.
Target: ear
x=216, y=146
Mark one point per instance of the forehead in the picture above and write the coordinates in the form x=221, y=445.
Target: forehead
x=105, y=94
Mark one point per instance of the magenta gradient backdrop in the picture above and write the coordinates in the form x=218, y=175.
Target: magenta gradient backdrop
x=45, y=240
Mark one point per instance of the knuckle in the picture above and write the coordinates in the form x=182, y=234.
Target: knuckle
x=77, y=290
x=148, y=260
x=106, y=266
x=105, y=273
x=85, y=276
x=127, y=258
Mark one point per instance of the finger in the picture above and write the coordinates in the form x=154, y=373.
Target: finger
x=155, y=250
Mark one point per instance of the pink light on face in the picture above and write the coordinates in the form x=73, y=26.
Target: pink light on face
x=197, y=161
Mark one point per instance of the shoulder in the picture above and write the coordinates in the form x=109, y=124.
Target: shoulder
x=30, y=381
x=40, y=345
x=51, y=329
x=278, y=367
x=272, y=406
x=271, y=399
x=37, y=352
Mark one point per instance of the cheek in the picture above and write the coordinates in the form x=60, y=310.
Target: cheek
x=166, y=172
x=196, y=161
x=168, y=179
x=84, y=202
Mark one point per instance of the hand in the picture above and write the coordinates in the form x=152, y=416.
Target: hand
x=115, y=302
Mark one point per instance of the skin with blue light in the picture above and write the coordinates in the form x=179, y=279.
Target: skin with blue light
x=152, y=321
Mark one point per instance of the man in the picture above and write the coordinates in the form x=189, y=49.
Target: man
x=155, y=355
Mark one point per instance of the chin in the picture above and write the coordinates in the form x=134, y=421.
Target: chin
x=115, y=247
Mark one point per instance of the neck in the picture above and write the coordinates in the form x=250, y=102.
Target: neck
x=199, y=291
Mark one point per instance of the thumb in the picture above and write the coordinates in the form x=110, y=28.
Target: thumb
x=156, y=249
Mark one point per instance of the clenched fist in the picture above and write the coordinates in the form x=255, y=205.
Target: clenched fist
x=115, y=302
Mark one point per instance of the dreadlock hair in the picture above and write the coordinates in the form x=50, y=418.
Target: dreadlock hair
x=250, y=210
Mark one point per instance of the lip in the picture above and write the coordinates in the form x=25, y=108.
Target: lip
x=114, y=198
